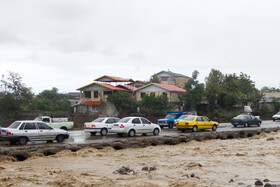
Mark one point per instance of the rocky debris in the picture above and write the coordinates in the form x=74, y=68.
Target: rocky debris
x=192, y=175
x=270, y=139
x=266, y=180
x=258, y=183
x=185, y=176
x=231, y=180
x=241, y=183
x=149, y=168
x=124, y=171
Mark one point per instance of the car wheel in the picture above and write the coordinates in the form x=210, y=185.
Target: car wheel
x=194, y=129
x=273, y=119
x=156, y=131
x=170, y=125
x=182, y=130
x=64, y=128
x=49, y=141
x=259, y=124
x=60, y=138
x=22, y=141
x=131, y=133
x=103, y=132
x=93, y=133
x=235, y=125
x=214, y=128
x=120, y=134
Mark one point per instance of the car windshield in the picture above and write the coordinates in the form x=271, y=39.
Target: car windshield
x=124, y=120
x=170, y=116
x=98, y=120
x=278, y=113
x=189, y=118
x=15, y=125
x=183, y=117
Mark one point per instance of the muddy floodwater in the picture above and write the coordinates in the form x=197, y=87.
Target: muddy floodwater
x=235, y=162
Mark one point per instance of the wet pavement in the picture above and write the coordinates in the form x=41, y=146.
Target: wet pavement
x=79, y=137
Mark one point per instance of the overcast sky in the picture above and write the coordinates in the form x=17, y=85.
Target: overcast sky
x=68, y=43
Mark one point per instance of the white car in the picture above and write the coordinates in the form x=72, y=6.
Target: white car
x=276, y=116
x=23, y=131
x=135, y=125
x=101, y=125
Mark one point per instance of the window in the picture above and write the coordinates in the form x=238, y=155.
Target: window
x=87, y=94
x=145, y=121
x=164, y=79
x=199, y=119
x=142, y=94
x=47, y=120
x=164, y=93
x=43, y=126
x=15, y=125
x=108, y=92
x=136, y=121
x=205, y=119
x=110, y=120
x=30, y=126
x=172, y=79
x=98, y=120
x=116, y=120
x=95, y=94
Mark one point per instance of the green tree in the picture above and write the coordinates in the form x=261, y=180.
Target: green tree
x=122, y=100
x=154, y=104
x=15, y=97
x=154, y=79
x=213, y=88
x=51, y=101
x=194, y=92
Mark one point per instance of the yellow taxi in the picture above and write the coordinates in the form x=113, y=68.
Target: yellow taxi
x=195, y=123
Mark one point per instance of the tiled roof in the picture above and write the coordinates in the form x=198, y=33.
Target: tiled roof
x=114, y=79
x=109, y=86
x=173, y=74
x=170, y=87
x=92, y=103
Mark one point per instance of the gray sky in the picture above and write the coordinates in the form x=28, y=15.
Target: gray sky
x=69, y=43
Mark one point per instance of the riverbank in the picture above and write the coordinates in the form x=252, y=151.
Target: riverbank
x=229, y=162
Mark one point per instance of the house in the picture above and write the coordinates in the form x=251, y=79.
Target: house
x=156, y=89
x=270, y=97
x=94, y=97
x=171, y=78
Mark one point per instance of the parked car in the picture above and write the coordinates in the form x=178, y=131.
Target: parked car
x=23, y=131
x=101, y=125
x=135, y=125
x=276, y=116
x=59, y=123
x=169, y=120
x=246, y=120
x=196, y=123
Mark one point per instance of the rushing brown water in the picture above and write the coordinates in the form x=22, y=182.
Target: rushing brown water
x=209, y=163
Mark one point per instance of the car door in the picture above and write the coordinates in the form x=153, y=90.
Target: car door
x=147, y=127
x=137, y=125
x=207, y=123
x=109, y=123
x=45, y=131
x=200, y=123
x=30, y=130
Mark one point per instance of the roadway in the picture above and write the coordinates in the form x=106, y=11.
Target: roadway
x=80, y=137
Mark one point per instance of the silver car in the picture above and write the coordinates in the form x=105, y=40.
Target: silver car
x=23, y=131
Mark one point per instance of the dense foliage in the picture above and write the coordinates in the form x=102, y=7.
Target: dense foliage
x=17, y=99
x=154, y=104
x=122, y=100
x=194, y=93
